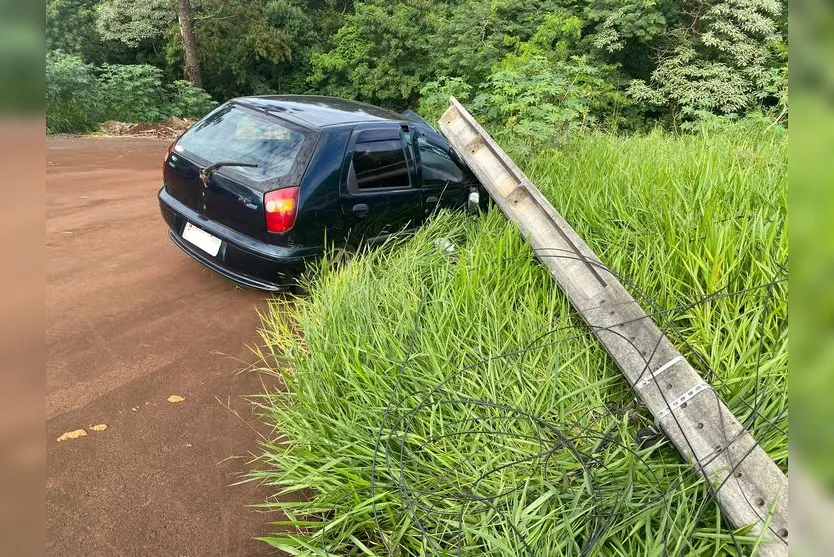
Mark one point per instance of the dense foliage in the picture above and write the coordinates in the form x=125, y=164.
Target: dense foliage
x=540, y=68
x=71, y=94
x=79, y=95
x=450, y=402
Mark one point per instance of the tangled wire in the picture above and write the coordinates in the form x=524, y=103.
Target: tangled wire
x=567, y=454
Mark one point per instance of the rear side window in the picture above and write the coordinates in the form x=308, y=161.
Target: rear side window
x=437, y=165
x=233, y=134
x=380, y=164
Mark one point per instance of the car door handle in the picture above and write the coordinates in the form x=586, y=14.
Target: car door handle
x=432, y=200
x=360, y=210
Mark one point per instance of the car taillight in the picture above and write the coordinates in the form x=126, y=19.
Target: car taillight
x=280, y=207
x=170, y=148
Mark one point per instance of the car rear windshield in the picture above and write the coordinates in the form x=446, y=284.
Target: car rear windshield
x=234, y=134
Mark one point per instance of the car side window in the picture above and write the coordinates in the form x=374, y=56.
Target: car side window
x=438, y=166
x=379, y=164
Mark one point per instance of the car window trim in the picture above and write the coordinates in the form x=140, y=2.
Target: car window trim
x=356, y=191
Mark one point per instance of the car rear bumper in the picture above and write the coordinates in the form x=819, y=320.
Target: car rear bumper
x=244, y=260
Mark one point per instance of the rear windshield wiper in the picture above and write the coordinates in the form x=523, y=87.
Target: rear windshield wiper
x=206, y=173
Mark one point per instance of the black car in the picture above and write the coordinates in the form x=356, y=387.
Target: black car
x=263, y=184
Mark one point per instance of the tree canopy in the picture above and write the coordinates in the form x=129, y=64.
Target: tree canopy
x=527, y=63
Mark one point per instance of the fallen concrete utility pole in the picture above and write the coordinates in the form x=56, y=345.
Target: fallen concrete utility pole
x=749, y=487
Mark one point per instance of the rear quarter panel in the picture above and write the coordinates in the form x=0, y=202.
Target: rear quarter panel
x=319, y=209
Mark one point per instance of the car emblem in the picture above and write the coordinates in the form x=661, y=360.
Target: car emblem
x=246, y=202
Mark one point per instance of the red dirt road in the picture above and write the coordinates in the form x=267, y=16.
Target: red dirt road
x=132, y=320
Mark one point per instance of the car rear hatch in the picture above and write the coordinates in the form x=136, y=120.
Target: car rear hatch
x=234, y=195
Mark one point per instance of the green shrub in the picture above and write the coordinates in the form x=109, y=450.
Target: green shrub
x=77, y=99
x=539, y=102
x=189, y=101
x=434, y=96
x=539, y=95
x=72, y=94
x=133, y=93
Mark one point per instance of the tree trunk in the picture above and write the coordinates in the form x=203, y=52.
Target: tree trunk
x=189, y=44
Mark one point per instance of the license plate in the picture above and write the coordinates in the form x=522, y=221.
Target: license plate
x=202, y=239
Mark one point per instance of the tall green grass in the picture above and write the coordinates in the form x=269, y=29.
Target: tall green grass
x=439, y=400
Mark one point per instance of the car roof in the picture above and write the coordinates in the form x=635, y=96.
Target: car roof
x=318, y=111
